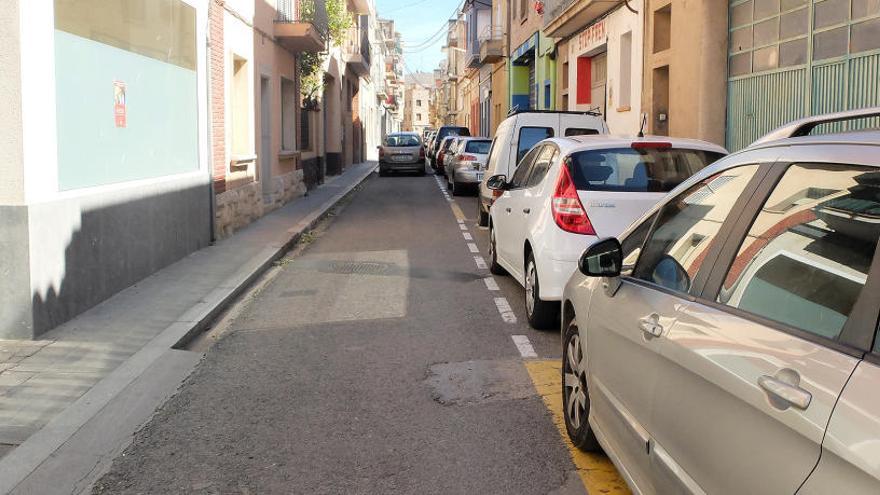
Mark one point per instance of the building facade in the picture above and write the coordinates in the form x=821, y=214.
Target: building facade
x=106, y=177
x=599, y=63
x=532, y=64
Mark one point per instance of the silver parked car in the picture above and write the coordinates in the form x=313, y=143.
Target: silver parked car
x=402, y=152
x=727, y=343
x=466, y=164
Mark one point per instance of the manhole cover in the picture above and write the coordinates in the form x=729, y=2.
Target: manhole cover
x=358, y=267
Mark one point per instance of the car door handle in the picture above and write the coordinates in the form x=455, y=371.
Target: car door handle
x=527, y=210
x=507, y=210
x=651, y=325
x=784, y=393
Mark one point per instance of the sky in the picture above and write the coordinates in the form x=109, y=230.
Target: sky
x=417, y=21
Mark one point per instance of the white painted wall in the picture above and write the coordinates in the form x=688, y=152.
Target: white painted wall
x=620, y=120
x=11, y=167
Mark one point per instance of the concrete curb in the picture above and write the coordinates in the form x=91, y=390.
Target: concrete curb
x=16, y=466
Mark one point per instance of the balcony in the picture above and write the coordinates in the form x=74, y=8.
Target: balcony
x=301, y=25
x=562, y=18
x=356, y=50
x=491, y=45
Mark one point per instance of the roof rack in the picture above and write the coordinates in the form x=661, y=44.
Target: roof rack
x=515, y=111
x=803, y=127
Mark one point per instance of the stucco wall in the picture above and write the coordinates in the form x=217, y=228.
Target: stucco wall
x=11, y=169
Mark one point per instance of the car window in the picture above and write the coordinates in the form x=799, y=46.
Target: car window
x=522, y=170
x=637, y=169
x=402, y=140
x=481, y=147
x=805, y=260
x=530, y=136
x=686, y=227
x=631, y=246
x=447, y=145
x=578, y=131
x=542, y=165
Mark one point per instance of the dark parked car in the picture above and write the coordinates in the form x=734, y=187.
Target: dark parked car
x=402, y=151
x=447, y=130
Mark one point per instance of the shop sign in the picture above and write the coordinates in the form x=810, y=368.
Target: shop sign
x=590, y=38
x=119, y=111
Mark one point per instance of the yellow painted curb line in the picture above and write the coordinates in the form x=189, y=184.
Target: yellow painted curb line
x=456, y=210
x=597, y=472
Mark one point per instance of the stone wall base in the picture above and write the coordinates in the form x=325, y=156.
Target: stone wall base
x=238, y=207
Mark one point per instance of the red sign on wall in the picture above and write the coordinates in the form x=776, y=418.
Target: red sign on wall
x=590, y=37
x=119, y=111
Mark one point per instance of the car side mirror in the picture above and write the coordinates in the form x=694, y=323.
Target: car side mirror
x=603, y=259
x=497, y=182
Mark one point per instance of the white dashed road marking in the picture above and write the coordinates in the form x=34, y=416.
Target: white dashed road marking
x=462, y=226
x=473, y=247
x=505, y=310
x=491, y=284
x=460, y=220
x=481, y=263
x=467, y=236
x=525, y=347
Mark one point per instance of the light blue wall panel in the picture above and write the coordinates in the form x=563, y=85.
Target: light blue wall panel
x=161, y=135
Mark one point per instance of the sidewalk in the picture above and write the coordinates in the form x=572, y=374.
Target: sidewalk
x=51, y=388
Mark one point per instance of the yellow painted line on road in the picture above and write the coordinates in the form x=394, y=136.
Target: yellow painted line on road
x=456, y=210
x=597, y=472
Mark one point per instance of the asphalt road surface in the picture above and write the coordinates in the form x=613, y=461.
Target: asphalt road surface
x=381, y=358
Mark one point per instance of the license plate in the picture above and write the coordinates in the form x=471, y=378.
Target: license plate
x=402, y=158
x=479, y=176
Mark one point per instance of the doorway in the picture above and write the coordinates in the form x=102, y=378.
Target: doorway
x=598, y=78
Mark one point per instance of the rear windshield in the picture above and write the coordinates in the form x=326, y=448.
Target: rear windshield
x=636, y=170
x=402, y=140
x=454, y=131
x=576, y=131
x=477, y=147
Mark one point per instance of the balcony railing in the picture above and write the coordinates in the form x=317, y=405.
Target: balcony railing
x=563, y=18
x=491, y=44
x=356, y=50
x=301, y=25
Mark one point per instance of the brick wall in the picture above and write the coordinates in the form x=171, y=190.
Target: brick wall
x=218, y=128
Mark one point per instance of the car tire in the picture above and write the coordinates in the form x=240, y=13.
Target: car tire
x=494, y=267
x=482, y=216
x=541, y=314
x=574, y=381
x=421, y=171
x=456, y=187
x=383, y=172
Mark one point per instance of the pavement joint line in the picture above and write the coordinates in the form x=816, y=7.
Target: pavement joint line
x=505, y=310
x=481, y=263
x=524, y=346
x=17, y=465
x=491, y=284
x=473, y=247
x=467, y=236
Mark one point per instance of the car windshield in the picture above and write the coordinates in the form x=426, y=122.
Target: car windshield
x=636, y=170
x=402, y=140
x=481, y=147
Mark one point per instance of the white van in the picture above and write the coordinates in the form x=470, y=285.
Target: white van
x=519, y=133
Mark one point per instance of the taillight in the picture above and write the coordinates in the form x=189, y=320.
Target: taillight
x=568, y=212
x=421, y=152
x=640, y=145
x=468, y=158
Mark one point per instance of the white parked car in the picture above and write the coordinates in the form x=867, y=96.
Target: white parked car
x=518, y=133
x=466, y=164
x=568, y=192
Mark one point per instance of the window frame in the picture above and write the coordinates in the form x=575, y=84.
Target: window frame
x=537, y=149
x=532, y=181
x=857, y=336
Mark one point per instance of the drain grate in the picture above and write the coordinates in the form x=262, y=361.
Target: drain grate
x=358, y=267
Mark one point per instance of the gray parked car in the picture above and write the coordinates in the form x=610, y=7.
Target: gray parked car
x=466, y=164
x=402, y=152
x=728, y=343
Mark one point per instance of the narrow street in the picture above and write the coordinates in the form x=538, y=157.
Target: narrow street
x=379, y=359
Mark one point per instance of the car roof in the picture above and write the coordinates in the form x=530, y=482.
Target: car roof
x=403, y=133
x=474, y=138
x=571, y=144
x=864, y=137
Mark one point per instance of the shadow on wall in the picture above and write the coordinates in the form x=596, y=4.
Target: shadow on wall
x=117, y=246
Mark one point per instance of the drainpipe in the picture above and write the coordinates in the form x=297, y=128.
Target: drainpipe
x=210, y=155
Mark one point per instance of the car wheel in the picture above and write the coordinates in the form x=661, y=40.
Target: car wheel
x=448, y=184
x=383, y=172
x=541, y=314
x=575, y=396
x=421, y=171
x=456, y=188
x=482, y=216
x=494, y=267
